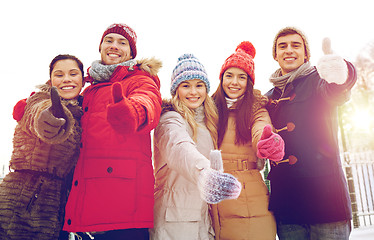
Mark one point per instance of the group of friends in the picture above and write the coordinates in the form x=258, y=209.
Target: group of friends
x=83, y=165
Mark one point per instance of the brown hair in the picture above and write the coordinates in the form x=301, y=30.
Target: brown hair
x=243, y=114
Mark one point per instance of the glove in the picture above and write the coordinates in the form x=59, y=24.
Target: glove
x=216, y=160
x=332, y=67
x=271, y=145
x=117, y=92
x=51, y=120
x=216, y=186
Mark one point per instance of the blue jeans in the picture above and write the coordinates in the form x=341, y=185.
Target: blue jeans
x=327, y=231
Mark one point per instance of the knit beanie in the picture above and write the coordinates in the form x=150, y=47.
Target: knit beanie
x=243, y=59
x=188, y=68
x=291, y=30
x=125, y=31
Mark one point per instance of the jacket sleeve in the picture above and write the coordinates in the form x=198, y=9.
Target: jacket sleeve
x=177, y=149
x=260, y=118
x=338, y=94
x=140, y=108
x=34, y=106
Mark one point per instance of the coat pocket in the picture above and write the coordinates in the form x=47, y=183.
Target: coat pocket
x=109, y=192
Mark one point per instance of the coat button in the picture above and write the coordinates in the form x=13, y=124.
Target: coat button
x=109, y=170
x=76, y=183
x=69, y=222
x=86, y=109
x=81, y=145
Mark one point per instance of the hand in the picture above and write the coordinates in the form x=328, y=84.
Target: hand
x=117, y=92
x=271, y=145
x=216, y=160
x=51, y=120
x=216, y=186
x=332, y=67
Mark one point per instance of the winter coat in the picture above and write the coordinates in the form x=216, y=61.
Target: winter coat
x=33, y=195
x=113, y=180
x=309, y=186
x=246, y=217
x=180, y=213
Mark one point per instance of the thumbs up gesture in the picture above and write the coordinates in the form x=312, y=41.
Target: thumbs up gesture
x=51, y=120
x=271, y=145
x=332, y=67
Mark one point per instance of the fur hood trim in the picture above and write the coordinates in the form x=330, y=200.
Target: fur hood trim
x=150, y=65
x=167, y=106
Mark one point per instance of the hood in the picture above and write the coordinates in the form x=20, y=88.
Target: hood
x=167, y=106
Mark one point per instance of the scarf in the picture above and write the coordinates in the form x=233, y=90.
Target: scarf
x=230, y=102
x=102, y=73
x=280, y=81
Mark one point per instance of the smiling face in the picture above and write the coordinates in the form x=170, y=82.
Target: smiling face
x=67, y=77
x=192, y=93
x=115, y=49
x=290, y=52
x=234, y=82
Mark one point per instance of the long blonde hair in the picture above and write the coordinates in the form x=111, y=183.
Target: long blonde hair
x=210, y=112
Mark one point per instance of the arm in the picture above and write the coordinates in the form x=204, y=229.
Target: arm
x=339, y=75
x=177, y=148
x=136, y=107
x=181, y=155
x=46, y=118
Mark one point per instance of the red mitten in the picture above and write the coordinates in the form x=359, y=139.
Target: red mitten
x=117, y=92
x=271, y=145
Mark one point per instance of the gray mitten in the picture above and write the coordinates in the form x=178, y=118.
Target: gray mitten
x=216, y=160
x=216, y=186
x=51, y=120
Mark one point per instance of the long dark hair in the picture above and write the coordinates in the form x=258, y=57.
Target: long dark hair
x=243, y=114
x=64, y=57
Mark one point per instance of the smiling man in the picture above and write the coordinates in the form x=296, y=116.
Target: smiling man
x=309, y=196
x=112, y=193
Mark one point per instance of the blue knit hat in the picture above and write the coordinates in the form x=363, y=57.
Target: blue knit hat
x=188, y=68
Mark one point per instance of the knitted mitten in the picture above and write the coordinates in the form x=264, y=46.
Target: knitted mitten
x=215, y=186
x=271, y=145
x=332, y=67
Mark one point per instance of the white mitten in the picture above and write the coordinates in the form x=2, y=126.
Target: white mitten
x=216, y=160
x=332, y=67
x=216, y=186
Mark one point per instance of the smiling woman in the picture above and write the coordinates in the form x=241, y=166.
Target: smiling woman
x=46, y=147
x=67, y=76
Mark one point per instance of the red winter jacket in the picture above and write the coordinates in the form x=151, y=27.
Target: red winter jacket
x=113, y=180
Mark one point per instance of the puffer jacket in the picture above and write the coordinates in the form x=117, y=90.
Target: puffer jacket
x=246, y=217
x=180, y=213
x=33, y=195
x=308, y=186
x=113, y=180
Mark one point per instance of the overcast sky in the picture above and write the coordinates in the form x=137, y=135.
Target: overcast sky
x=33, y=32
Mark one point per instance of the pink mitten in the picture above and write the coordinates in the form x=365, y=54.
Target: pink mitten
x=271, y=145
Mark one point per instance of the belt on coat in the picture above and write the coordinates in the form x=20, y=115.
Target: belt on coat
x=238, y=165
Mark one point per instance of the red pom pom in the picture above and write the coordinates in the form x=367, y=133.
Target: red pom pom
x=19, y=110
x=247, y=47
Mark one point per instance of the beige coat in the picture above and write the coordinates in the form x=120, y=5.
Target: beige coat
x=179, y=212
x=246, y=217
